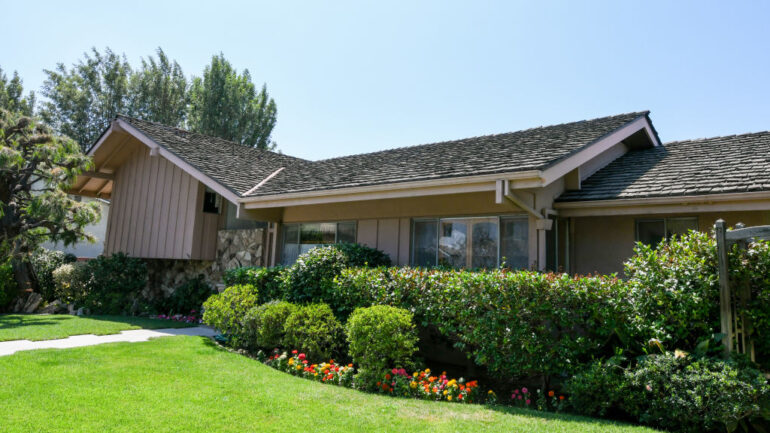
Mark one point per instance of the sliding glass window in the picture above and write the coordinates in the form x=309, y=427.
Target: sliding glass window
x=301, y=238
x=470, y=242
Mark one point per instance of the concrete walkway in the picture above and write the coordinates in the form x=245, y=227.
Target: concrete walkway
x=132, y=336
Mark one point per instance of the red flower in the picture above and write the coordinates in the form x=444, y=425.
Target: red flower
x=294, y=351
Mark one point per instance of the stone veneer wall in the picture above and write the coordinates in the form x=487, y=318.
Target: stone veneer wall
x=235, y=248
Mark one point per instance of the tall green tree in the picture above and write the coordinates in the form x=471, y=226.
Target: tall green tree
x=158, y=91
x=82, y=100
x=226, y=104
x=12, y=95
x=36, y=169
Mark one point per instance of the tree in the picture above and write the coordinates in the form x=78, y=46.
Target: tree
x=226, y=105
x=12, y=95
x=158, y=91
x=84, y=99
x=36, y=169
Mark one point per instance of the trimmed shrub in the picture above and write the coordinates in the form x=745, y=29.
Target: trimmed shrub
x=187, y=298
x=380, y=338
x=8, y=286
x=694, y=395
x=265, y=324
x=597, y=390
x=227, y=310
x=116, y=284
x=311, y=277
x=44, y=262
x=314, y=330
x=264, y=279
x=71, y=282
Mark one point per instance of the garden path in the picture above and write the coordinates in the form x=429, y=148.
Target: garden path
x=131, y=336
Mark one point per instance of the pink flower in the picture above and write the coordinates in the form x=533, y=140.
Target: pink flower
x=524, y=390
x=519, y=397
x=528, y=402
x=301, y=356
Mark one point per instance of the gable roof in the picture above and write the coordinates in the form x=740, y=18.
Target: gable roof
x=251, y=172
x=736, y=163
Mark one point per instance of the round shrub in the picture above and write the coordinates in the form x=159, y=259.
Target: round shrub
x=265, y=324
x=310, y=278
x=264, y=279
x=314, y=330
x=44, y=262
x=226, y=311
x=694, y=395
x=380, y=338
x=597, y=390
x=71, y=282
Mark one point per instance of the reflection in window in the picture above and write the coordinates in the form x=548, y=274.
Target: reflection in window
x=301, y=238
x=471, y=242
x=652, y=231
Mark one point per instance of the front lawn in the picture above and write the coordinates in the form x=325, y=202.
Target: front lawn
x=53, y=326
x=188, y=384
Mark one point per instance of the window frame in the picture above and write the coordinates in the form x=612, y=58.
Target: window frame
x=469, y=219
x=299, y=233
x=665, y=224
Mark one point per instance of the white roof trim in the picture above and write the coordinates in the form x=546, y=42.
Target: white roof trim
x=256, y=187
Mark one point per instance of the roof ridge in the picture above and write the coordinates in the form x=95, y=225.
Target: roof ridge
x=520, y=131
x=717, y=137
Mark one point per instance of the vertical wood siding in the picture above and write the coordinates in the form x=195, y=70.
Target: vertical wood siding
x=155, y=206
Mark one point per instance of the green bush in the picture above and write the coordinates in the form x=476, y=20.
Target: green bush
x=380, y=338
x=597, y=389
x=689, y=394
x=8, y=286
x=116, y=284
x=752, y=268
x=314, y=330
x=264, y=279
x=264, y=324
x=187, y=298
x=71, y=282
x=44, y=262
x=310, y=278
x=226, y=312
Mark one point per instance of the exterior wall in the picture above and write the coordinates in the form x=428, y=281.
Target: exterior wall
x=239, y=248
x=156, y=211
x=85, y=249
x=601, y=244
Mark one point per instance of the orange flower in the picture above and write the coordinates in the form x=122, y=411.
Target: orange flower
x=387, y=376
x=551, y=393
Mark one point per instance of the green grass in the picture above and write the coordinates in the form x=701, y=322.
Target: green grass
x=188, y=384
x=53, y=326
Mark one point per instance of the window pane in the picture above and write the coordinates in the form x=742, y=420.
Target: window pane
x=289, y=254
x=452, y=245
x=680, y=226
x=317, y=233
x=650, y=232
x=424, y=247
x=514, y=247
x=328, y=233
x=346, y=232
x=484, y=243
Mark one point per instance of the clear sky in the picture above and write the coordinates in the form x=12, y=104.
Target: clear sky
x=359, y=76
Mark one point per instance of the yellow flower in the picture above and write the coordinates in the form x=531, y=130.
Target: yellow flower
x=291, y=361
x=414, y=374
x=413, y=384
x=449, y=398
x=427, y=370
x=445, y=392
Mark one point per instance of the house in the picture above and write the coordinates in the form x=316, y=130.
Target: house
x=573, y=197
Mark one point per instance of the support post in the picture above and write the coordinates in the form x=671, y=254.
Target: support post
x=725, y=298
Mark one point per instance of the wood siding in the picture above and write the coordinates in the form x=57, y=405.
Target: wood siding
x=156, y=211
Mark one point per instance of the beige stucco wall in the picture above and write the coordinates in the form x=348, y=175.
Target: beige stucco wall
x=601, y=244
x=156, y=211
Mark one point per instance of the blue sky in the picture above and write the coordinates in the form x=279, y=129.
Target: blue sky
x=351, y=77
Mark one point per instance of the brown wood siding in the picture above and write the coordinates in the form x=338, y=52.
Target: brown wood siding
x=154, y=210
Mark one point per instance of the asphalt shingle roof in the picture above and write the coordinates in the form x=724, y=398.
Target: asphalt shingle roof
x=737, y=163
x=240, y=168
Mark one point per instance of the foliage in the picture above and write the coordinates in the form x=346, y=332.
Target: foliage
x=313, y=329
x=675, y=289
x=676, y=391
x=187, y=298
x=264, y=279
x=82, y=100
x=71, y=282
x=264, y=324
x=44, y=262
x=380, y=337
x=8, y=288
x=311, y=277
x=752, y=268
x=36, y=169
x=115, y=284
x=157, y=92
x=12, y=95
x=226, y=104
x=225, y=311
x=597, y=389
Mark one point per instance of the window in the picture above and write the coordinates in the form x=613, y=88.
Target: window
x=470, y=242
x=211, y=201
x=301, y=238
x=652, y=231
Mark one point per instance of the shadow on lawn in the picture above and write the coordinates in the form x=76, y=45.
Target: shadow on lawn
x=9, y=321
x=558, y=416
